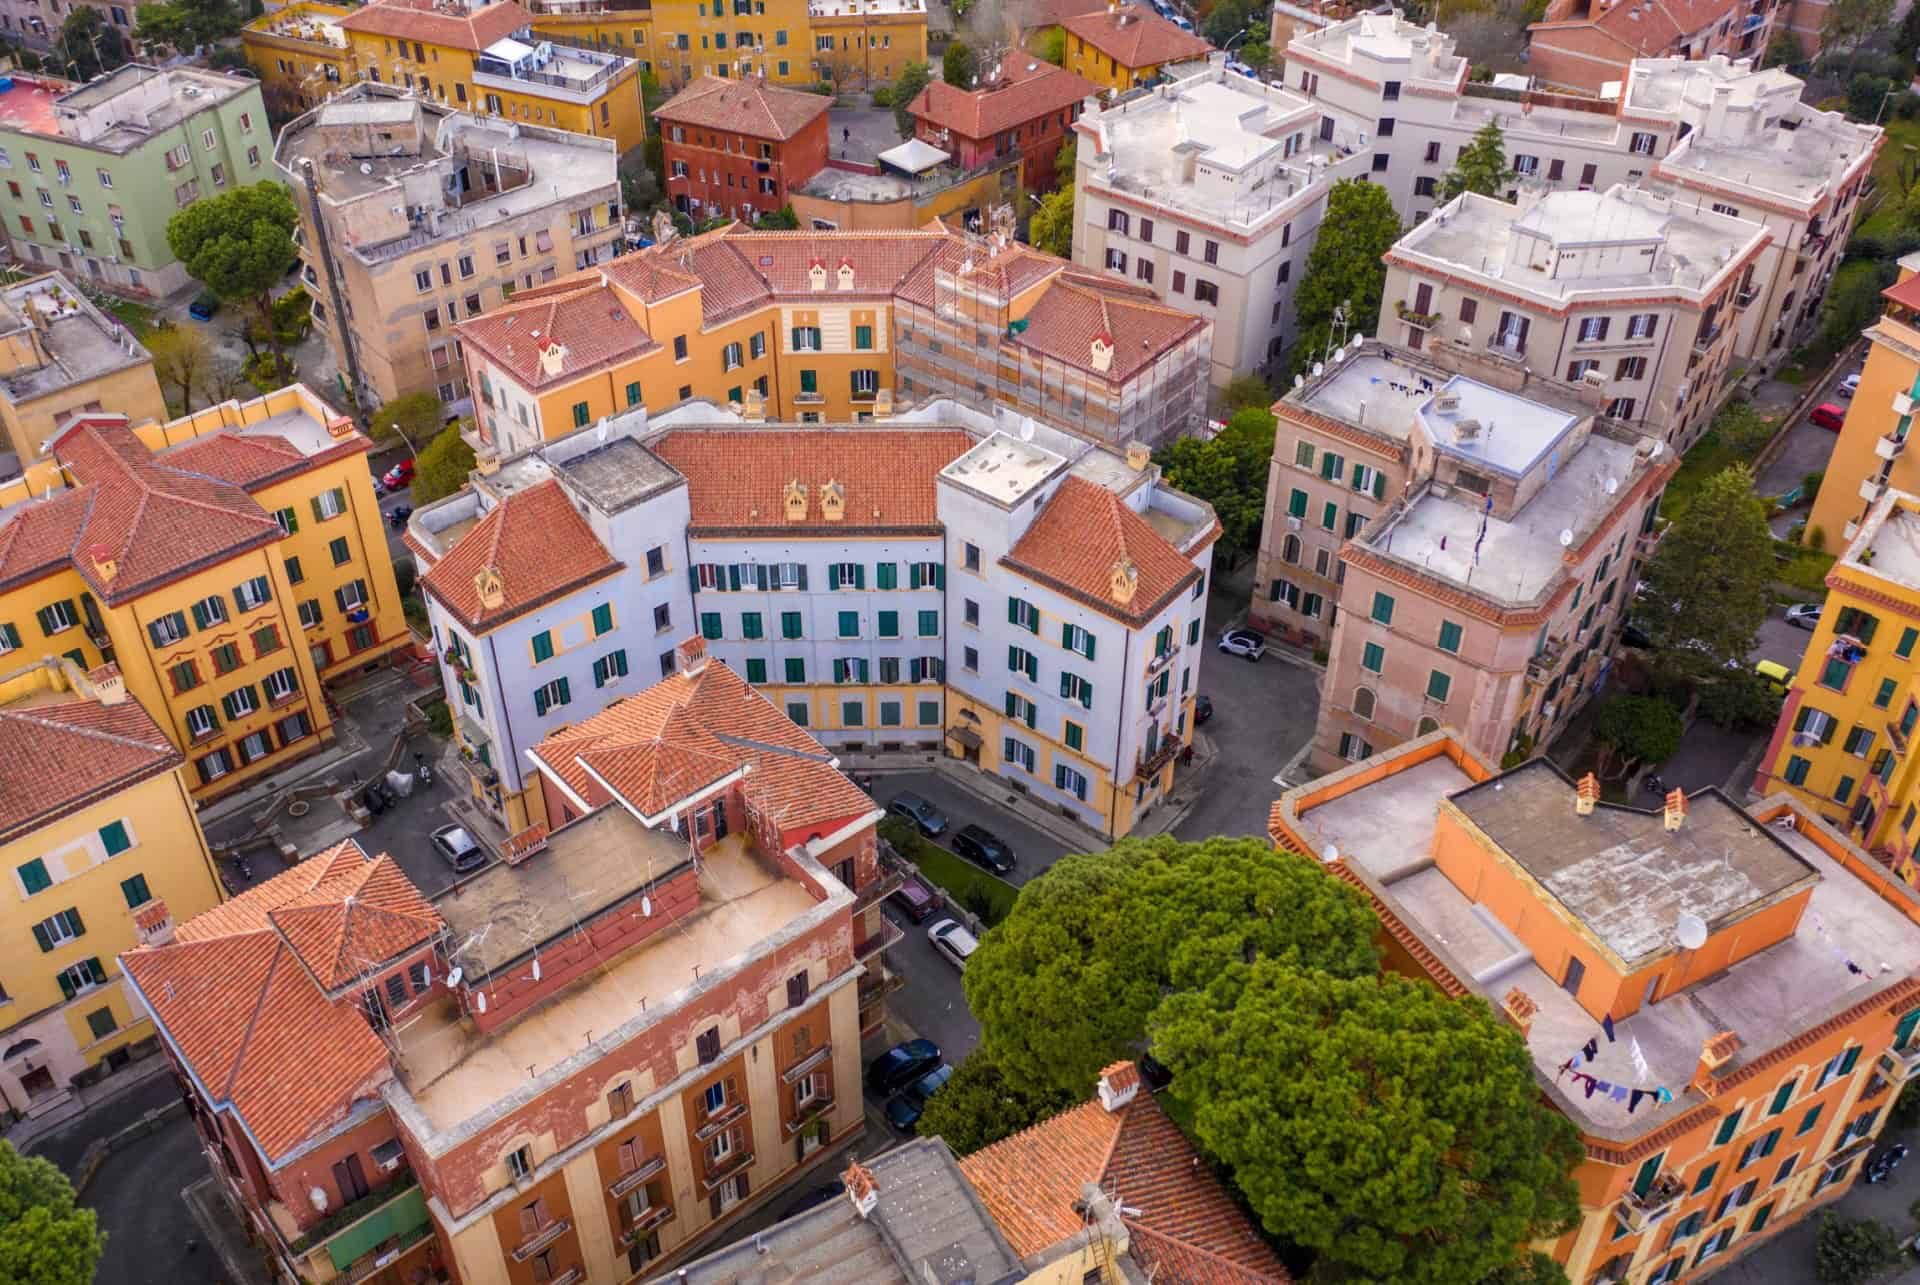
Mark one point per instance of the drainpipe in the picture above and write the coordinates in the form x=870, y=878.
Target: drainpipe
x=333, y=281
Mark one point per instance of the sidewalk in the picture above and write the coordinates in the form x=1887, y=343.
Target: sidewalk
x=226, y=1235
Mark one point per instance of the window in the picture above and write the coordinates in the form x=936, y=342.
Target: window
x=1450, y=634
x=1018, y=752
x=280, y=685
x=554, y=694
x=202, y=722
x=1373, y=658
x=520, y=1163
x=1643, y=144
x=56, y=617
x=1022, y=661
x=58, y=929
x=1382, y=611
x=171, y=628
x=135, y=890
x=1205, y=291
x=329, y=504
x=82, y=977
x=1438, y=685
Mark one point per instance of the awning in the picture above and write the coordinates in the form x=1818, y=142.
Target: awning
x=913, y=156
x=968, y=738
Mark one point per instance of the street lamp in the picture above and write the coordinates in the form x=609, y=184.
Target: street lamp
x=411, y=450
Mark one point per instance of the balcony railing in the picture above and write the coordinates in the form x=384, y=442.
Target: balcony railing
x=1638, y=1212
x=1501, y=346
x=628, y=1181
x=1147, y=765
x=1646, y=542
x=1745, y=295
x=720, y=1119
x=1846, y=1155
x=734, y=1163
x=1899, y=1065
x=1890, y=447
x=892, y=873
x=540, y=1239
x=812, y=1110
x=656, y=1217
x=879, y=982
x=1541, y=664
x=361, y=1238
x=1703, y=339
x=888, y=936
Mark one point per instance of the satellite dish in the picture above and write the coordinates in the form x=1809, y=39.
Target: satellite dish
x=453, y=978
x=1330, y=854
x=1339, y=355
x=646, y=905
x=1613, y=485
x=1691, y=930
x=1318, y=370
x=1566, y=537
x=1299, y=381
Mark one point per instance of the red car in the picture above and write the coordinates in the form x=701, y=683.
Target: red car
x=398, y=476
x=1828, y=415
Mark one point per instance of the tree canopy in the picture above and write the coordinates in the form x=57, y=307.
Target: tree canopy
x=187, y=24
x=443, y=466
x=958, y=65
x=1051, y=228
x=1227, y=19
x=87, y=44
x=1849, y=22
x=1481, y=167
x=1345, y=268
x=1052, y=46
x=1393, y=1130
x=1229, y=472
x=1708, y=585
x=906, y=87
x=1852, y=1251
x=1066, y=984
x=45, y=1238
x=421, y=416
x=238, y=244
x=1634, y=730
x=980, y=1105
x=182, y=359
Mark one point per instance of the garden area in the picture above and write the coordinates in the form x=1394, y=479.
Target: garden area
x=974, y=889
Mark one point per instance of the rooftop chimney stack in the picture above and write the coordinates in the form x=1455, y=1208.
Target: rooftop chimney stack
x=692, y=655
x=1585, y=795
x=1715, y=1054
x=1118, y=1084
x=861, y=1189
x=1521, y=1007
x=1676, y=809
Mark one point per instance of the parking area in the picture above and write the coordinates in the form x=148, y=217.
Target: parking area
x=1807, y=447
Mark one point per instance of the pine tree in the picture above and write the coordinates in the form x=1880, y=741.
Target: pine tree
x=1482, y=166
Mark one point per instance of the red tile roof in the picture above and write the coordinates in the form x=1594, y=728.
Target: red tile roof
x=1185, y=1229
x=1136, y=38
x=539, y=546
x=1051, y=13
x=737, y=479
x=39, y=537
x=56, y=759
x=238, y=995
x=591, y=324
x=750, y=106
x=691, y=729
x=1083, y=532
x=240, y=458
x=1028, y=90
x=422, y=20
x=1064, y=321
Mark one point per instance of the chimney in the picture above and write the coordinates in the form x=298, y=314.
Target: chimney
x=846, y=274
x=833, y=501
x=861, y=1189
x=105, y=565
x=1585, y=795
x=1676, y=809
x=1138, y=456
x=1715, y=1054
x=691, y=655
x=491, y=588
x=108, y=686
x=1520, y=1007
x=1102, y=352
x=1118, y=1084
x=816, y=275
x=553, y=354
x=794, y=499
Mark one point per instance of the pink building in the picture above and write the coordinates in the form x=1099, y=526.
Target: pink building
x=1020, y=104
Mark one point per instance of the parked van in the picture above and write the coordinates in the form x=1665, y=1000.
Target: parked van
x=1776, y=674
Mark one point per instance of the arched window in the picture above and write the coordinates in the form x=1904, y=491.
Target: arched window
x=1290, y=549
x=1363, y=703
x=1428, y=724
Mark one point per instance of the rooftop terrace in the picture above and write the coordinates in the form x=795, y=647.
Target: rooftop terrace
x=1388, y=37
x=1887, y=546
x=78, y=341
x=308, y=23
x=1003, y=469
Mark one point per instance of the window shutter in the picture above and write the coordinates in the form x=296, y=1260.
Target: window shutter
x=859, y=575
x=742, y=1181
x=1033, y=668
x=539, y=701
x=1013, y=658
x=693, y=579
x=318, y=516
x=833, y=575
x=79, y=928
x=913, y=576
x=733, y=577
x=41, y=936
x=713, y=1204
x=1089, y=641
x=1066, y=685
x=599, y=673
x=96, y=972
x=1013, y=606
x=602, y=618
x=626, y=1158
x=760, y=575
x=1086, y=695
x=566, y=694
x=10, y=635
x=1012, y=706
x=803, y=577
x=66, y=984
x=1379, y=485
x=1846, y=1063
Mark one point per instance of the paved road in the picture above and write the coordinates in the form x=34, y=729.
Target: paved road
x=1033, y=849
x=150, y=1234
x=931, y=1001
x=105, y=1119
x=1807, y=448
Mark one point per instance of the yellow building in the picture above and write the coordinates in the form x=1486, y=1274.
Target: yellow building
x=1869, y=455
x=1844, y=742
x=102, y=853
x=1122, y=49
x=60, y=355
x=227, y=562
x=300, y=53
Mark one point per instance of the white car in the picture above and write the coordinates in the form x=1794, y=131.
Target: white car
x=951, y=939
x=1243, y=642
x=1850, y=385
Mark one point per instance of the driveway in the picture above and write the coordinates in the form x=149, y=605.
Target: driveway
x=930, y=1000
x=1033, y=850
x=1807, y=448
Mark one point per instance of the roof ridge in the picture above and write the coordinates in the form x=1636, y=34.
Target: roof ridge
x=1211, y=1255
x=259, y=1003
x=27, y=716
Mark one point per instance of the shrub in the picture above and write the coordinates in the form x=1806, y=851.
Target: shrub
x=440, y=719
x=404, y=575
x=1810, y=487
x=1817, y=539
x=1740, y=700
x=883, y=96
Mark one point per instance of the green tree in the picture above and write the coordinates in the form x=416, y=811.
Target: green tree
x=1784, y=50
x=980, y=1105
x=1257, y=54
x=182, y=359
x=1853, y=303
x=1065, y=985
x=1906, y=38
x=1344, y=269
x=1849, y=22
x=1052, y=46
x=906, y=87
x=187, y=24
x=443, y=467
x=1851, y=1251
x=1247, y=390
x=1709, y=583
x=1534, y=1269
x=1741, y=427
x=1481, y=167
x=238, y=244
x=783, y=219
x=1396, y=1132
x=957, y=66
x=1740, y=698
x=1230, y=473
x=88, y=45
x=1227, y=19
x=1065, y=162
x=416, y=419
x=45, y=1238
x=1634, y=730
x=1051, y=228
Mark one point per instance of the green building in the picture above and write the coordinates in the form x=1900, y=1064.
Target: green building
x=93, y=172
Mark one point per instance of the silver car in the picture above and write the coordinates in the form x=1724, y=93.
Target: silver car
x=460, y=849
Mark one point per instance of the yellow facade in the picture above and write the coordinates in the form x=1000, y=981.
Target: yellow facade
x=1870, y=450
x=315, y=573
x=300, y=54
x=138, y=849
x=1100, y=67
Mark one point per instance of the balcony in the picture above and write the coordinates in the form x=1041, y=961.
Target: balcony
x=1745, y=296
x=1897, y=736
x=1418, y=320
x=1147, y=766
x=809, y=399
x=879, y=982
x=889, y=935
x=1846, y=1155
x=633, y=1178
x=1504, y=346
x=1541, y=664
x=1646, y=542
x=367, y=1235
x=734, y=1162
x=1639, y=1212
x=551, y=1231
x=1870, y=490
x=720, y=1119
x=1703, y=340
x=893, y=872
x=655, y=1218
x=810, y=1111
x=1899, y=1065
x=1889, y=447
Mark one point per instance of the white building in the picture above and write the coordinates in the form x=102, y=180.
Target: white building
x=1030, y=601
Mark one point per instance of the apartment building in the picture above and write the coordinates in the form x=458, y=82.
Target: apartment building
x=1585, y=45
x=415, y=217
x=828, y=326
x=61, y=356
x=1626, y=291
x=1722, y=1001
x=1127, y=47
x=228, y=562
x=944, y=578
x=1487, y=591
x=93, y=172
x=1717, y=134
x=581, y=1062
x=1869, y=454
x=300, y=54
x=1019, y=106
x=1209, y=191
x=739, y=148
x=1843, y=745
x=105, y=854
x=916, y=184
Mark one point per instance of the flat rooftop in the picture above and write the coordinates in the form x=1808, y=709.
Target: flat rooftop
x=190, y=90
x=453, y=1074
x=28, y=106
x=1385, y=830
x=1387, y=37
x=1520, y=556
x=82, y=341
x=1377, y=389
x=845, y=185
x=1887, y=546
x=1493, y=427
x=305, y=24
x=1003, y=468
x=1798, y=164
x=617, y=474
x=849, y=8
x=1664, y=84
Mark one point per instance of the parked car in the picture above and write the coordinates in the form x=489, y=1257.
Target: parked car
x=952, y=940
x=913, y=899
x=1239, y=68
x=911, y=1103
x=1202, y=708
x=1828, y=415
x=1777, y=675
x=460, y=849
x=398, y=476
x=984, y=848
x=204, y=305
x=1850, y=385
x=1633, y=634
x=1183, y=23
x=1243, y=642
x=901, y=1065
x=931, y=820
x=1804, y=615
x=1881, y=1167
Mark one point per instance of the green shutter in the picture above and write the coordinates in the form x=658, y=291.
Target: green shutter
x=566, y=692
x=1012, y=707
x=1847, y=1062
x=1904, y=1032
x=1643, y=1180
x=1727, y=1128
x=1781, y=1096
x=1013, y=658
x=859, y=576
x=1013, y=607
x=113, y=837
x=833, y=575
x=543, y=646
x=886, y=575
x=750, y=624
x=10, y=635
x=34, y=877
x=43, y=938
x=756, y=669
x=1379, y=485
x=539, y=701
x=913, y=575
x=602, y=618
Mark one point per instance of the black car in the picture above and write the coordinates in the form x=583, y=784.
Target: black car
x=931, y=820
x=1635, y=636
x=1202, y=708
x=904, y=1112
x=984, y=848
x=901, y=1065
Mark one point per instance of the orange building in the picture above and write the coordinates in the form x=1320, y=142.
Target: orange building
x=1723, y=1002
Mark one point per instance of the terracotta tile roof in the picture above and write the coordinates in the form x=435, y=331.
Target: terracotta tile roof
x=151, y=520
x=538, y=545
x=1143, y=40
x=651, y=277
x=881, y=260
x=737, y=479
x=240, y=458
x=689, y=730
x=591, y=324
x=1005, y=272
x=1073, y=311
x=1083, y=532
x=1029, y=89
x=1186, y=1229
x=751, y=106
x=39, y=536
x=1051, y=13
x=236, y=992
x=61, y=757
x=420, y=20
